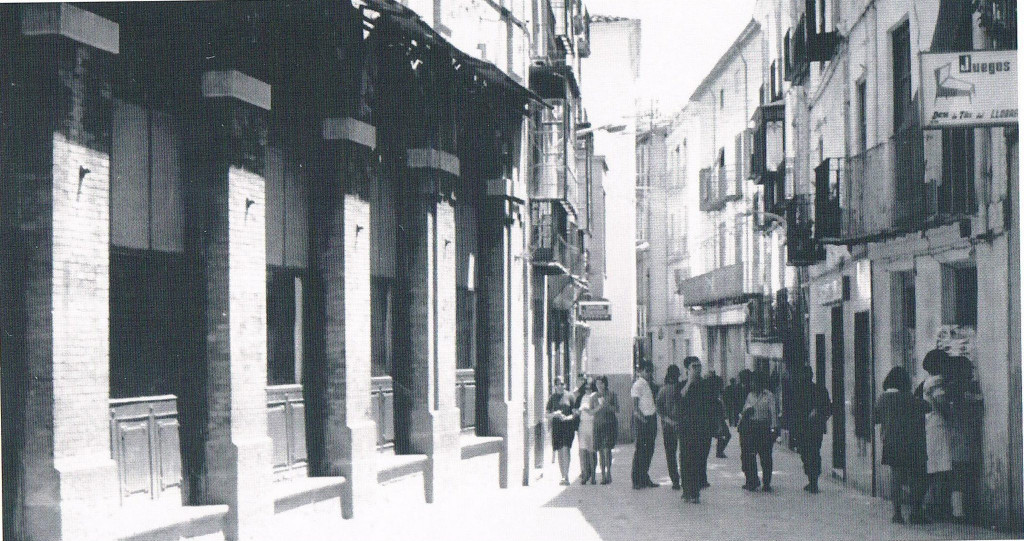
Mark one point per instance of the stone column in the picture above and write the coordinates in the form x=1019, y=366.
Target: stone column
x=351, y=434
x=503, y=291
x=238, y=449
x=428, y=255
x=56, y=197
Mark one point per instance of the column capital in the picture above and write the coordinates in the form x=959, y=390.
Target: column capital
x=429, y=158
x=503, y=188
x=350, y=129
x=237, y=85
x=71, y=22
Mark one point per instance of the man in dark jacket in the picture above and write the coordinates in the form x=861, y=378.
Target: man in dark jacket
x=693, y=422
x=811, y=410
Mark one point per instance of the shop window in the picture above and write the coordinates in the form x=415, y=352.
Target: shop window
x=284, y=326
x=147, y=322
x=904, y=318
x=381, y=326
x=960, y=295
x=466, y=341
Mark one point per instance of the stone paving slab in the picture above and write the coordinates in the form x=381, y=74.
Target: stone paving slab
x=616, y=512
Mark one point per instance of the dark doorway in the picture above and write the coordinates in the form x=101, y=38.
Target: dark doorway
x=862, y=375
x=838, y=393
x=819, y=357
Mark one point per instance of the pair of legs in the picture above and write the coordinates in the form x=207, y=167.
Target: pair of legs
x=672, y=448
x=940, y=486
x=705, y=453
x=756, y=443
x=694, y=465
x=563, y=463
x=721, y=441
x=588, y=465
x=810, y=455
x=965, y=482
x=646, y=431
x=605, y=456
x=907, y=476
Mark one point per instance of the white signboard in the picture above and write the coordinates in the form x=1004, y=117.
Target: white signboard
x=972, y=88
x=595, y=311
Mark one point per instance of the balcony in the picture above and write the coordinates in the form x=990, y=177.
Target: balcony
x=554, y=172
x=769, y=141
x=876, y=194
x=802, y=248
x=798, y=66
x=764, y=318
x=822, y=43
x=721, y=285
x=549, y=247
x=570, y=21
x=677, y=249
x=718, y=186
x=774, y=191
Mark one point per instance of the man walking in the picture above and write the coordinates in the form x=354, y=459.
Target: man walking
x=646, y=426
x=812, y=408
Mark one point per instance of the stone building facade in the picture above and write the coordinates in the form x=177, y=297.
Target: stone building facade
x=902, y=234
x=263, y=258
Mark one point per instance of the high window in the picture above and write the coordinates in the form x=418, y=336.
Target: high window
x=902, y=110
x=956, y=193
x=960, y=294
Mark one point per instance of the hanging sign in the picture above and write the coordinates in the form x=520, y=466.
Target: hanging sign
x=971, y=88
x=595, y=311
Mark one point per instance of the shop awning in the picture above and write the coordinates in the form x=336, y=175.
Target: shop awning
x=413, y=26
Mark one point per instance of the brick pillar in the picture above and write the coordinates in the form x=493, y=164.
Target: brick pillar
x=344, y=262
x=59, y=207
x=238, y=449
x=503, y=290
x=428, y=252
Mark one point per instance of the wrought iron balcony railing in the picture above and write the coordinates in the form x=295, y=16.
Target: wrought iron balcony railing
x=718, y=186
x=878, y=193
x=802, y=248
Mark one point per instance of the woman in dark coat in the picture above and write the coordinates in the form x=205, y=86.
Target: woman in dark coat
x=901, y=415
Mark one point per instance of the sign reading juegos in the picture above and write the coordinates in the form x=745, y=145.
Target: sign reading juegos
x=970, y=88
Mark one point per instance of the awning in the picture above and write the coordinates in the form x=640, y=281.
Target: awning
x=412, y=25
x=550, y=81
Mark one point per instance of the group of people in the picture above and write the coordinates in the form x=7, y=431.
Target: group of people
x=931, y=439
x=695, y=410
x=590, y=412
x=930, y=435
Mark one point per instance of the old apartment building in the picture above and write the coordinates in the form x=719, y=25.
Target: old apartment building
x=261, y=257
x=899, y=140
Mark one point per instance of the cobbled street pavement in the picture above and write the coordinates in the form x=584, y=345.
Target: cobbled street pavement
x=547, y=511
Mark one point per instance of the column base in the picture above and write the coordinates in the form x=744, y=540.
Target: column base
x=441, y=476
x=506, y=419
x=359, y=467
x=82, y=504
x=240, y=475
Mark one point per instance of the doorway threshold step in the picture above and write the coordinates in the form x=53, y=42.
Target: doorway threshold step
x=293, y=493
x=391, y=466
x=170, y=522
x=473, y=446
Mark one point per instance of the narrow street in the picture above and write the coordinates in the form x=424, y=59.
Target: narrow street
x=548, y=511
